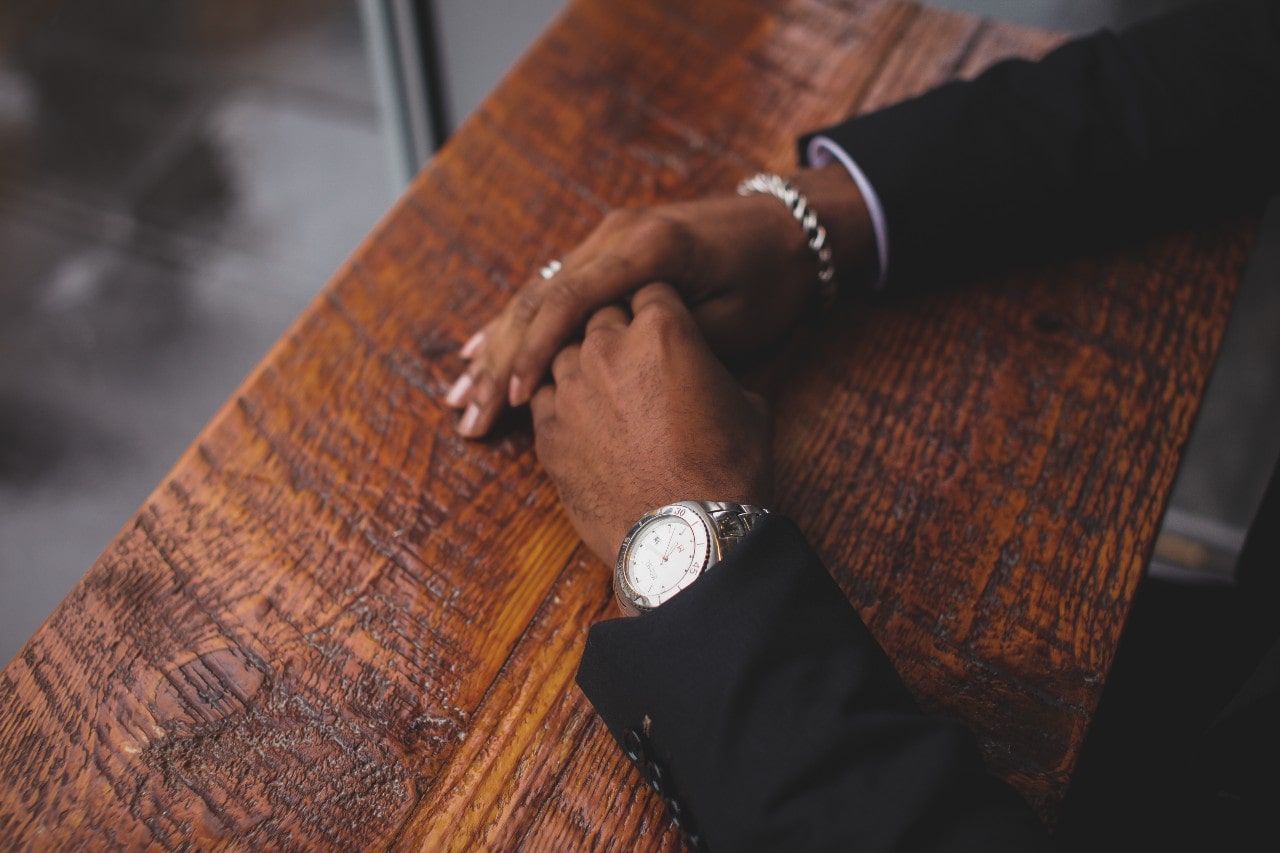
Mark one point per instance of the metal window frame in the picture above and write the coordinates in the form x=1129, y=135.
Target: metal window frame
x=400, y=38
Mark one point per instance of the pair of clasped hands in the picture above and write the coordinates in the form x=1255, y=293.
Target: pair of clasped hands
x=616, y=353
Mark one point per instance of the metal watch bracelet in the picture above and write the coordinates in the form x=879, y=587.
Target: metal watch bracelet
x=733, y=521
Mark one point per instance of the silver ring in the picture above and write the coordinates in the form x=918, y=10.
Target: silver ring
x=550, y=269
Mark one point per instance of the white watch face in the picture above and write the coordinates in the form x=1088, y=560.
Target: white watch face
x=665, y=555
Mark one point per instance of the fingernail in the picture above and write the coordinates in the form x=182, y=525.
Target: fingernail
x=468, y=423
x=472, y=346
x=458, y=393
x=515, y=391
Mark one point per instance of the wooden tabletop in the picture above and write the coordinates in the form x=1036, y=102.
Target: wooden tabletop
x=336, y=624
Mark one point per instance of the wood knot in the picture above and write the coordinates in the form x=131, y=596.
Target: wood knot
x=208, y=688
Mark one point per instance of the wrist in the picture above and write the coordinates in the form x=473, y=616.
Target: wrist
x=838, y=202
x=757, y=495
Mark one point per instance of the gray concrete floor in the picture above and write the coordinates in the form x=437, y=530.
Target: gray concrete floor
x=177, y=180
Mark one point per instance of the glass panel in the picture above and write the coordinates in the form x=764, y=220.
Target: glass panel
x=178, y=178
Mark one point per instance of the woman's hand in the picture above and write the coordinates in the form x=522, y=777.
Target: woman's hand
x=741, y=264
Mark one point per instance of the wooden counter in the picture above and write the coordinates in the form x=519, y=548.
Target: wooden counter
x=336, y=624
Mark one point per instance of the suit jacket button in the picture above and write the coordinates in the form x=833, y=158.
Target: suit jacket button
x=654, y=774
x=633, y=745
x=675, y=810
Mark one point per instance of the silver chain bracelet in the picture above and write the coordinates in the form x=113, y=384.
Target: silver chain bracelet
x=786, y=192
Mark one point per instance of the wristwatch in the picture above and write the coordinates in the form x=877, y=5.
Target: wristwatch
x=670, y=547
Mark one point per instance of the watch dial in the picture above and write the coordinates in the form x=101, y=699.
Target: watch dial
x=661, y=555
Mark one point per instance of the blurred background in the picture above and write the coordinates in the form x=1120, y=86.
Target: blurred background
x=179, y=178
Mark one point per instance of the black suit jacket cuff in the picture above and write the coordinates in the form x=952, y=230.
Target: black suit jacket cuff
x=777, y=721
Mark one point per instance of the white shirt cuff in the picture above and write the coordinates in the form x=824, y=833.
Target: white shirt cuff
x=822, y=151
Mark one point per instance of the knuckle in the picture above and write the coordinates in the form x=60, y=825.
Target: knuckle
x=650, y=227
x=483, y=388
x=663, y=231
x=525, y=305
x=561, y=364
x=662, y=319
x=543, y=402
x=622, y=218
x=595, y=347
x=564, y=296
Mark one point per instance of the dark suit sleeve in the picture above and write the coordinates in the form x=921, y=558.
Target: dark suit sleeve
x=1172, y=122
x=770, y=715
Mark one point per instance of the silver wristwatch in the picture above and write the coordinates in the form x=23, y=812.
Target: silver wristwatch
x=671, y=546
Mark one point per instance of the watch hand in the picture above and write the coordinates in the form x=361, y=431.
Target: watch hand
x=667, y=551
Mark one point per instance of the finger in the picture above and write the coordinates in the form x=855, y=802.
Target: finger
x=482, y=408
x=608, y=317
x=519, y=313
x=658, y=295
x=482, y=390
x=566, y=363
x=459, y=394
x=605, y=273
x=565, y=302
x=542, y=406
x=474, y=345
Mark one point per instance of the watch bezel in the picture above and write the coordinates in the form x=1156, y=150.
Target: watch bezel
x=700, y=523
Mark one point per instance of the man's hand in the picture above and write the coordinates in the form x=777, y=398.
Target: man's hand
x=740, y=263
x=642, y=414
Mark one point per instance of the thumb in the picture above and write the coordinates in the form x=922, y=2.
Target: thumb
x=659, y=296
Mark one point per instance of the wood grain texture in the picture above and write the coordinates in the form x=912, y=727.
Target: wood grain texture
x=334, y=624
